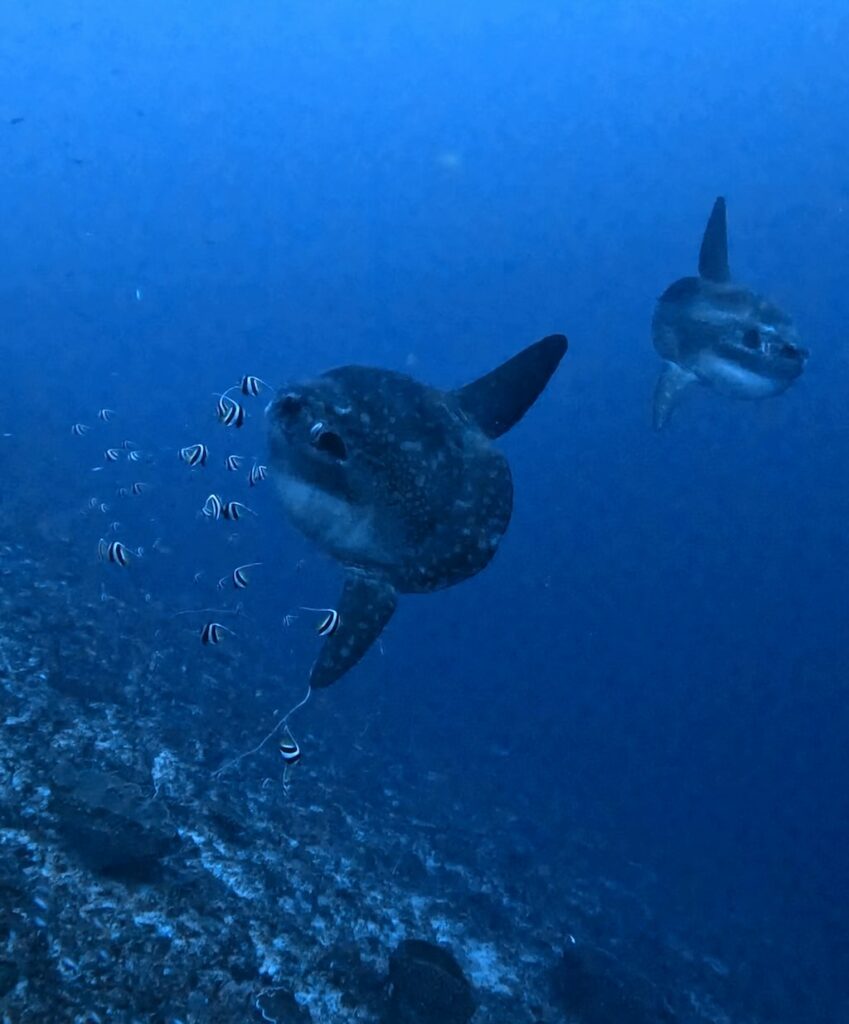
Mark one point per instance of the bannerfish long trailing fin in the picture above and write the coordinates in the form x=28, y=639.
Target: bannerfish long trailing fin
x=282, y=724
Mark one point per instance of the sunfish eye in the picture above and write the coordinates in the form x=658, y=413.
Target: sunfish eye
x=751, y=338
x=329, y=442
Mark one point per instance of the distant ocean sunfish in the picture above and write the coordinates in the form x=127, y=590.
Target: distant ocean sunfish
x=715, y=332
x=399, y=482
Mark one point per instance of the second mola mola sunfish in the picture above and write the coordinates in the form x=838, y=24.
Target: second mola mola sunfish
x=713, y=331
x=399, y=482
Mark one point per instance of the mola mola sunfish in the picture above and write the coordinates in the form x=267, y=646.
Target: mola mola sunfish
x=398, y=481
x=710, y=330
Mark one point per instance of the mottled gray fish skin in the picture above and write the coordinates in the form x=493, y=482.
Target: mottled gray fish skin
x=713, y=331
x=399, y=482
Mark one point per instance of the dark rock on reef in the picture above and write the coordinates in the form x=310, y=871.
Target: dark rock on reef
x=109, y=826
x=596, y=988
x=427, y=986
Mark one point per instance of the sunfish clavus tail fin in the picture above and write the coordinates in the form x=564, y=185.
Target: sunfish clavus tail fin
x=366, y=605
x=713, y=255
x=497, y=401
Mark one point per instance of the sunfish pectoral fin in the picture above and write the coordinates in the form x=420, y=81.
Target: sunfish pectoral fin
x=366, y=605
x=713, y=255
x=667, y=393
x=499, y=400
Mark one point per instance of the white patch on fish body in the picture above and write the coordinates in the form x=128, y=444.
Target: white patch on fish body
x=729, y=378
x=345, y=531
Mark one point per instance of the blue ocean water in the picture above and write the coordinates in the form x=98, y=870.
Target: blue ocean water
x=657, y=655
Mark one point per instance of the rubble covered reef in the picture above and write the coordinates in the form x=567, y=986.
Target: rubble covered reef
x=140, y=886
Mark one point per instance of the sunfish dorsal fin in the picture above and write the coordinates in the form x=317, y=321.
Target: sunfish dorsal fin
x=667, y=393
x=499, y=400
x=713, y=255
x=366, y=605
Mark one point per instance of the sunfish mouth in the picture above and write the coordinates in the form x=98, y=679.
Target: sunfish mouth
x=786, y=350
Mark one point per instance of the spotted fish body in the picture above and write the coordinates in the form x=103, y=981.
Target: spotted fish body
x=399, y=482
x=712, y=331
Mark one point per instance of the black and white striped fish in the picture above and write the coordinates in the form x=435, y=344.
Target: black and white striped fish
x=135, y=455
x=289, y=750
x=238, y=577
x=213, y=507
x=329, y=624
x=233, y=462
x=115, y=551
x=233, y=510
x=194, y=454
x=105, y=414
x=138, y=488
x=257, y=474
x=79, y=429
x=222, y=405
x=250, y=385
x=213, y=633
x=230, y=412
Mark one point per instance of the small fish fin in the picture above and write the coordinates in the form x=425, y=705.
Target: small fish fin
x=667, y=393
x=366, y=605
x=499, y=400
x=713, y=255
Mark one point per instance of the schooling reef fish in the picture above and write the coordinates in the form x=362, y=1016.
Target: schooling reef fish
x=710, y=330
x=399, y=482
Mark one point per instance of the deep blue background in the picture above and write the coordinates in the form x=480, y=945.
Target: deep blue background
x=659, y=650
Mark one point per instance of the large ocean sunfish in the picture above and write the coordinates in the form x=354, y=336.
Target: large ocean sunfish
x=712, y=331
x=399, y=482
